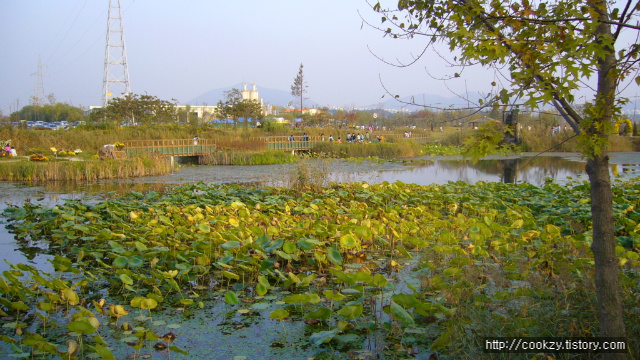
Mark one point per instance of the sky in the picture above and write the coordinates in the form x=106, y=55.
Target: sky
x=182, y=49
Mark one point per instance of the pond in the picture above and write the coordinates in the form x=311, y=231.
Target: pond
x=265, y=338
x=526, y=168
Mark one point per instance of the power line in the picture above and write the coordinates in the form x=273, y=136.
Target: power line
x=67, y=33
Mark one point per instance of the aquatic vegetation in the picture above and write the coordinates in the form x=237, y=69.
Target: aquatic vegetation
x=40, y=169
x=232, y=157
x=437, y=149
x=391, y=270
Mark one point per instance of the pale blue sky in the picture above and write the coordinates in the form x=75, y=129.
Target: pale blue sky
x=181, y=49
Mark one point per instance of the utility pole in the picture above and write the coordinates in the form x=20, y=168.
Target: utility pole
x=116, y=74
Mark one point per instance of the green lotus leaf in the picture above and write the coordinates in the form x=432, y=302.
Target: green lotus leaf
x=81, y=327
x=231, y=298
x=297, y=299
x=322, y=337
x=120, y=262
x=401, y=314
x=350, y=312
x=349, y=241
x=322, y=313
x=289, y=247
x=279, y=314
x=148, y=304
x=334, y=256
x=126, y=279
x=136, y=261
x=261, y=289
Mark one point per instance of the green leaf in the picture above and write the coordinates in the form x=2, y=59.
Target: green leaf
x=230, y=245
x=322, y=313
x=349, y=241
x=81, y=327
x=136, y=261
x=401, y=314
x=126, y=279
x=178, y=350
x=334, y=256
x=297, y=299
x=350, y=312
x=379, y=280
x=120, y=262
x=231, y=298
x=289, y=247
x=231, y=275
x=135, y=302
x=442, y=341
x=329, y=294
x=261, y=289
x=104, y=352
x=279, y=314
x=322, y=337
x=148, y=304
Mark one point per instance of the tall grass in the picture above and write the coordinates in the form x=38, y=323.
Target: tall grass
x=384, y=150
x=89, y=170
x=230, y=157
x=307, y=176
x=541, y=140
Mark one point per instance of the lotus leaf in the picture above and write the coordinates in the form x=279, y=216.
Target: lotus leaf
x=279, y=314
x=334, y=256
x=322, y=337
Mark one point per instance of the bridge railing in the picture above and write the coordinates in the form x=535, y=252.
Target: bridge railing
x=178, y=147
x=297, y=143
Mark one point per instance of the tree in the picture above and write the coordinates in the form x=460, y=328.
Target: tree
x=299, y=87
x=235, y=108
x=548, y=50
x=143, y=109
x=49, y=112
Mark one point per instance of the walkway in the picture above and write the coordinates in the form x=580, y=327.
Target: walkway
x=175, y=147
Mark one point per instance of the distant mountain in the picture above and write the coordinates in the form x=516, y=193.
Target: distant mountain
x=270, y=96
x=284, y=98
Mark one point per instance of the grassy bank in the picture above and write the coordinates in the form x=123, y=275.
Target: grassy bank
x=89, y=170
x=230, y=157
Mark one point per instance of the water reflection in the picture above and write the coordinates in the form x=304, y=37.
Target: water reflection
x=532, y=170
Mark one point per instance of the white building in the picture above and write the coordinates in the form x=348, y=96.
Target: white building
x=253, y=95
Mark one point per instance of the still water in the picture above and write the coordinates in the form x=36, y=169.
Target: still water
x=528, y=168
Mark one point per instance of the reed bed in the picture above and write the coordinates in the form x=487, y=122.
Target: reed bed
x=541, y=140
x=230, y=157
x=383, y=150
x=89, y=170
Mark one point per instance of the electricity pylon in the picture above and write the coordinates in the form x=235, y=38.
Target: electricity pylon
x=38, y=89
x=116, y=74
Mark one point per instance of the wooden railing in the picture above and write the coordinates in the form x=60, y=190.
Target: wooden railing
x=177, y=147
x=285, y=142
x=191, y=147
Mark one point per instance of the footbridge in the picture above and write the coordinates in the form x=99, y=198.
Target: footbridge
x=169, y=147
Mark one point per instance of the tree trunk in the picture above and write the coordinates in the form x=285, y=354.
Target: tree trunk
x=604, y=252
x=610, y=315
